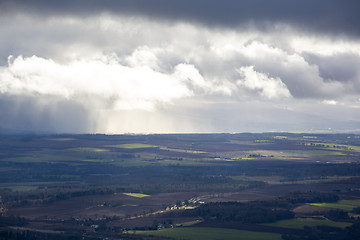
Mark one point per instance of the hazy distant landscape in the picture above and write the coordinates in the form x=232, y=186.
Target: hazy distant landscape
x=188, y=186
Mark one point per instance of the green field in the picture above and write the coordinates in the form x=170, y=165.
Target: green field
x=321, y=153
x=133, y=146
x=347, y=205
x=187, y=224
x=89, y=149
x=280, y=137
x=335, y=146
x=62, y=139
x=197, y=233
x=181, y=150
x=300, y=223
x=141, y=145
x=47, y=155
x=283, y=180
x=27, y=186
x=292, y=154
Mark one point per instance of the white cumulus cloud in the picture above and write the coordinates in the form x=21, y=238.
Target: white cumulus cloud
x=128, y=87
x=263, y=84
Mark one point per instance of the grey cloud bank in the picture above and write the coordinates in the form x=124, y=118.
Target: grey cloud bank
x=338, y=16
x=204, y=66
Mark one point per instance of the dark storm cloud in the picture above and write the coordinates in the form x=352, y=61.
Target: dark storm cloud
x=338, y=67
x=329, y=16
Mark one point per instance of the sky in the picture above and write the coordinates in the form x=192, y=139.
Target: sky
x=162, y=66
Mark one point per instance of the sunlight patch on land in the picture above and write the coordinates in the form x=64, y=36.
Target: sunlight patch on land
x=133, y=146
x=137, y=195
x=181, y=150
x=89, y=149
x=333, y=146
x=290, y=154
x=280, y=155
x=342, y=204
x=280, y=137
x=263, y=141
x=141, y=145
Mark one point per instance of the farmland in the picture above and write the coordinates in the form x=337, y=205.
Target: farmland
x=104, y=186
x=211, y=234
x=342, y=204
x=300, y=223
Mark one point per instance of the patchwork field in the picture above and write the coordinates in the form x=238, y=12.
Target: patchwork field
x=100, y=186
x=100, y=205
